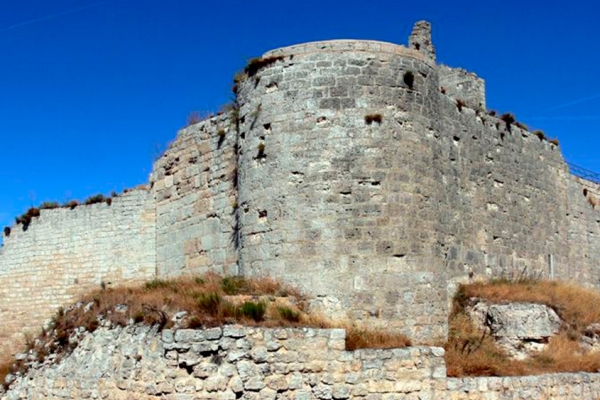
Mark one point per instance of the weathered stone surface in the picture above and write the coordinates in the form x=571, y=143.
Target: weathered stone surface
x=526, y=321
x=101, y=366
x=520, y=328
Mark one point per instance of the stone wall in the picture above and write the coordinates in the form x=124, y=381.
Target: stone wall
x=346, y=172
x=233, y=362
x=194, y=184
x=65, y=253
x=337, y=204
x=584, y=231
x=463, y=85
x=504, y=206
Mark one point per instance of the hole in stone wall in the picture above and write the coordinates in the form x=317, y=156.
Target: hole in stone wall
x=417, y=46
x=456, y=139
x=188, y=368
x=272, y=87
x=267, y=127
x=585, y=192
x=409, y=79
x=399, y=255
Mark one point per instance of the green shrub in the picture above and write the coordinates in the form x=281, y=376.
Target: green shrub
x=255, y=311
x=233, y=285
x=210, y=303
x=7, y=231
x=460, y=104
x=159, y=284
x=288, y=314
x=553, y=141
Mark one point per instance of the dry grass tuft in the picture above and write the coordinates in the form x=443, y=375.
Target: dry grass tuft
x=359, y=338
x=373, y=118
x=470, y=352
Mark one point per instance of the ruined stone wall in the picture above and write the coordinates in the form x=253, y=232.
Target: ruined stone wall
x=257, y=363
x=583, y=214
x=65, y=253
x=504, y=207
x=194, y=184
x=335, y=203
x=463, y=85
x=346, y=172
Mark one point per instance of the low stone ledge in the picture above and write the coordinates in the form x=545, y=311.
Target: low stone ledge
x=269, y=363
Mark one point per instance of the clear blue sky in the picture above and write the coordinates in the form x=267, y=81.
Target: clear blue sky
x=92, y=90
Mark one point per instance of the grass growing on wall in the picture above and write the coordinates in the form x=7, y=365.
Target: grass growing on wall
x=471, y=352
x=209, y=300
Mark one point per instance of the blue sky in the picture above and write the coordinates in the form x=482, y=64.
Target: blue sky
x=92, y=91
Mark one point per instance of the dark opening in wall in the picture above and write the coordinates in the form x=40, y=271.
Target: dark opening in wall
x=409, y=79
x=585, y=192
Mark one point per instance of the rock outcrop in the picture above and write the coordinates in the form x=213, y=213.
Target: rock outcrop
x=522, y=329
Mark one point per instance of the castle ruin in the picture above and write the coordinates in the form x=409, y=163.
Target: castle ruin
x=360, y=171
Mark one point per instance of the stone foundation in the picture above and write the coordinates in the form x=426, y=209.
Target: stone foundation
x=232, y=362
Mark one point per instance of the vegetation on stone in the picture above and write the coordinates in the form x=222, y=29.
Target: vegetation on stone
x=471, y=351
x=186, y=303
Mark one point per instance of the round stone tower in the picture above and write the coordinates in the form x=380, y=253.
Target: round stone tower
x=336, y=181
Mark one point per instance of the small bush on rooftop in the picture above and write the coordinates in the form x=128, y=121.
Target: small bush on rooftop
x=257, y=63
x=553, y=141
x=99, y=198
x=521, y=125
x=7, y=231
x=508, y=119
x=49, y=205
x=71, y=204
x=540, y=134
